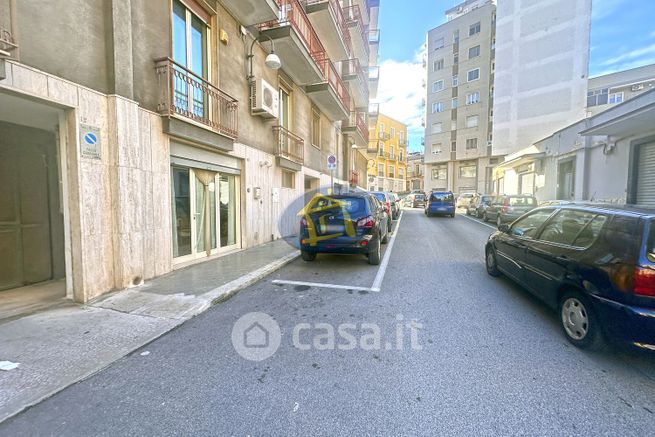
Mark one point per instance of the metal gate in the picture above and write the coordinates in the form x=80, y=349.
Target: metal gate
x=645, y=193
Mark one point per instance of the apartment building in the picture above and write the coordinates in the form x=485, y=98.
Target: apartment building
x=169, y=132
x=415, y=171
x=611, y=89
x=542, y=62
x=387, y=155
x=459, y=100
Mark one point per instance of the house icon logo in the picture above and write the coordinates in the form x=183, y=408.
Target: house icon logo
x=256, y=336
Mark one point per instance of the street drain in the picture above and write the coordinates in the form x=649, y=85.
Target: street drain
x=302, y=287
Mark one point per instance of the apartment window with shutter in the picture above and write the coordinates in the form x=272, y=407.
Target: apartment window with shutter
x=474, y=29
x=288, y=179
x=393, y=132
x=471, y=143
x=381, y=170
x=453, y=146
x=316, y=128
x=473, y=75
x=472, y=121
x=436, y=128
x=436, y=149
x=438, y=43
x=474, y=52
x=453, y=125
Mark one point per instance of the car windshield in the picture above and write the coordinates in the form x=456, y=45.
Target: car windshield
x=442, y=197
x=486, y=199
x=380, y=196
x=522, y=201
x=419, y=197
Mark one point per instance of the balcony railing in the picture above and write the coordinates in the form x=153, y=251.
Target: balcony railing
x=7, y=42
x=391, y=175
x=373, y=146
x=374, y=72
x=358, y=121
x=340, y=17
x=332, y=77
x=289, y=145
x=385, y=136
x=374, y=36
x=373, y=109
x=354, y=15
x=292, y=14
x=351, y=67
x=184, y=93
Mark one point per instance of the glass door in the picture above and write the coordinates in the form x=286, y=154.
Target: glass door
x=229, y=216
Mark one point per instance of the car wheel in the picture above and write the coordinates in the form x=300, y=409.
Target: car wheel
x=478, y=215
x=498, y=221
x=385, y=239
x=452, y=215
x=579, y=322
x=389, y=226
x=490, y=261
x=307, y=256
x=374, y=253
x=485, y=217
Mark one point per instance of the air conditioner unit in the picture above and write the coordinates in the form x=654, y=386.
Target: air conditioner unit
x=264, y=99
x=637, y=87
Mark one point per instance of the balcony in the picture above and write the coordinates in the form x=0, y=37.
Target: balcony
x=373, y=146
x=374, y=45
x=330, y=94
x=296, y=43
x=290, y=151
x=330, y=24
x=373, y=111
x=250, y=12
x=385, y=136
x=358, y=31
x=356, y=128
x=373, y=81
x=354, y=75
x=185, y=95
x=7, y=42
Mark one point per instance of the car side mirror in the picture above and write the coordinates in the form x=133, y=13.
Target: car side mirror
x=504, y=228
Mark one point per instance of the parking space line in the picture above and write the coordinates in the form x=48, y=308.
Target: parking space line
x=477, y=221
x=321, y=285
x=387, y=254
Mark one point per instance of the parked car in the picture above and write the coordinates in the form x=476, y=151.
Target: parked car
x=440, y=203
x=418, y=200
x=385, y=200
x=505, y=208
x=464, y=199
x=354, y=223
x=395, y=206
x=479, y=205
x=595, y=264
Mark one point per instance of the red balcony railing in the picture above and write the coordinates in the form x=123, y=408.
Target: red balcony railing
x=332, y=77
x=354, y=14
x=289, y=145
x=184, y=93
x=292, y=14
x=337, y=11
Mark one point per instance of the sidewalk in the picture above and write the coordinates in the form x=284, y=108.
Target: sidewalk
x=60, y=346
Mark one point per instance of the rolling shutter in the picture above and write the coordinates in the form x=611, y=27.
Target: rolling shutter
x=646, y=175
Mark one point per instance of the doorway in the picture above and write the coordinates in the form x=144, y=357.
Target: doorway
x=565, y=180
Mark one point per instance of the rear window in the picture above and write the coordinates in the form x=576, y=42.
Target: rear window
x=380, y=196
x=442, y=197
x=650, y=249
x=486, y=199
x=522, y=201
x=419, y=197
x=353, y=204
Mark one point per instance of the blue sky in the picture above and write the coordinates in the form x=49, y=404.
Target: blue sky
x=622, y=37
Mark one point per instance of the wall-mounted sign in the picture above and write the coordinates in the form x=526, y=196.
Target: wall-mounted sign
x=90, y=145
x=332, y=162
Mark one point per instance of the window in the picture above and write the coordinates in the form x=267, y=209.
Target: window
x=438, y=43
x=401, y=136
x=454, y=103
x=471, y=143
x=455, y=58
x=437, y=86
x=573, y=228
x=616, y=98
x=474, y=29
x=473, y=75
x=392, y=152
x=456, y=37
x=453, y=124
x=401, y=173
x=453, y=146
x=393, y=132
x=528, y=226
x=440, y=173
x=474, y=52
x=473, y=98
x=472, y=121
x=436, y=128
x=437, y=107
x=468, y=171
x=288, y=179
x=438, y=65
x=381, y=170
x=392, y=171
x=381, y=128
x=316, y=128
x=436, y=149
x=455, y=81
x=597, y=97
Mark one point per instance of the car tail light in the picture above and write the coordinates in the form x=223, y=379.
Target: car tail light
x=366, y=222
x=644, y=284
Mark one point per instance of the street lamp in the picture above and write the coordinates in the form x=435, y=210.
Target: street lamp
x=272, y=60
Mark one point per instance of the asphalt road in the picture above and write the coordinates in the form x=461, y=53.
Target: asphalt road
x=491, y=359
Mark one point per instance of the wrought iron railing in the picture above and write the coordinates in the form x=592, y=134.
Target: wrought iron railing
x=289, y=145
x=292, y=14
x=334, y=80
x=184, y=93
x=342, y=24
x=354, y=15
x=358, y=121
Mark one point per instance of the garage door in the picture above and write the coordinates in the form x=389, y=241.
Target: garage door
x=646, y=175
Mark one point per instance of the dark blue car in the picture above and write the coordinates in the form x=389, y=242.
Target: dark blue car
x=440, y=203
x=354, y=223
x=594, y=264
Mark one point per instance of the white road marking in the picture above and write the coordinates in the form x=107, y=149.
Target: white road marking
x=320, y=285
x=385, y=261
x=478, y=221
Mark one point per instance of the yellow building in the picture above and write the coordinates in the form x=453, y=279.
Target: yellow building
x=387, y=155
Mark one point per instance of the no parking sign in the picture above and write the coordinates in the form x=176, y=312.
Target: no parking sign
x=332, y=162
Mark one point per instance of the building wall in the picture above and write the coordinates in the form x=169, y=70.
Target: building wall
x=627, y=84
x=381, y=130
x=542, y=57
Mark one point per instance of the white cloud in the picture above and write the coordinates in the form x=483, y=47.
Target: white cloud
x=626, y=66
x=633, y=55
x=400, y=94
x=604, y=8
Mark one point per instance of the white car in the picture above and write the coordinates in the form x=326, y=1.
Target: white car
x=463, y=200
